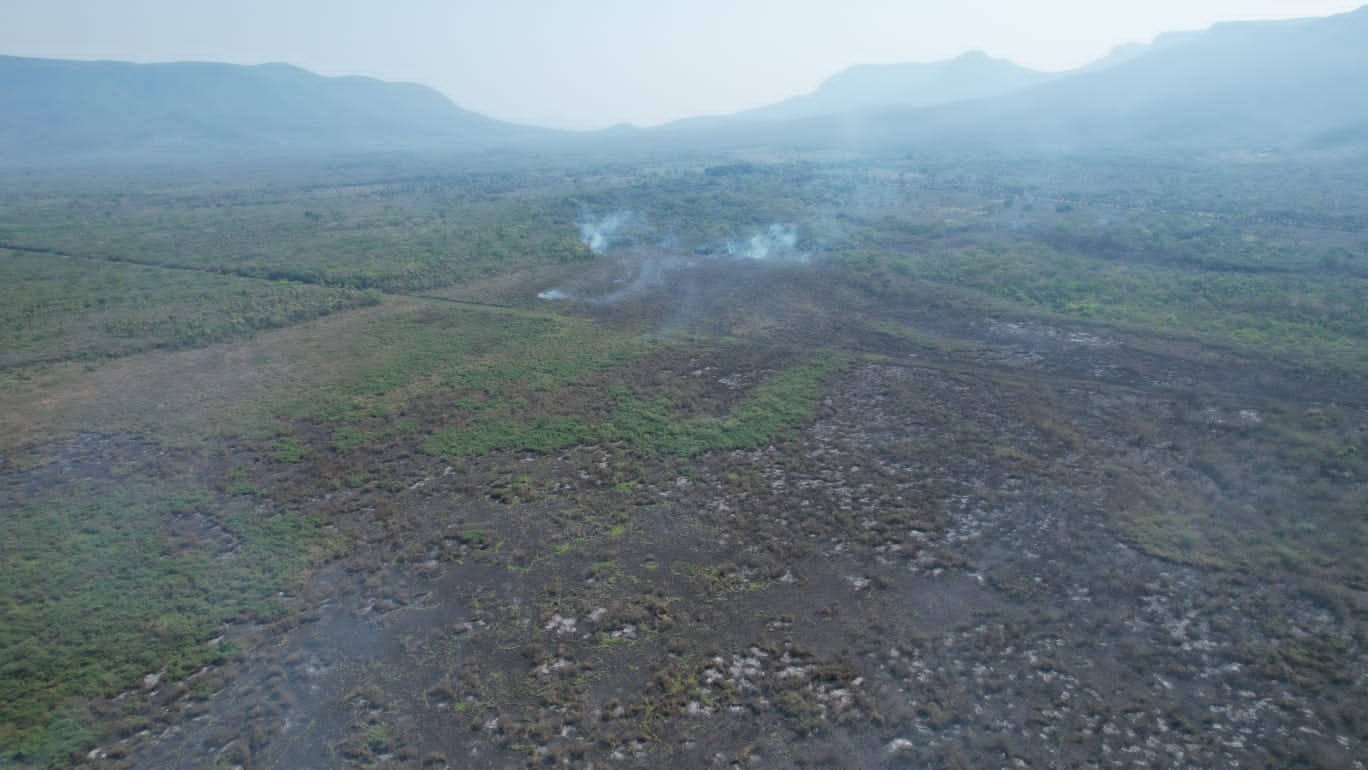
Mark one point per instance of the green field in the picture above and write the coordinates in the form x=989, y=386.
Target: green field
x=61, y=308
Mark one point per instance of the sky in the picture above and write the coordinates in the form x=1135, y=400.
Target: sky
x=596, y=63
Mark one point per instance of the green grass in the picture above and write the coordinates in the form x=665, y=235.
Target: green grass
x=1177, y=537
x=55, y=308
x=288, y=450
x=1315, y=317
x=1310, y=525
x=97, y=590
x=103, y=582
x=1255, y=542
x=481, y=353
x=785, y=401
x=393, y=237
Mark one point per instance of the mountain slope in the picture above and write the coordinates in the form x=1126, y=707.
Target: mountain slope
x=1238, y=86
x=57, y=108
x=973, y=75
x=1129, y=51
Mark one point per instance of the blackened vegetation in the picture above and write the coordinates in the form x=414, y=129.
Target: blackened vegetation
x=1024, y=467
x=858, y=594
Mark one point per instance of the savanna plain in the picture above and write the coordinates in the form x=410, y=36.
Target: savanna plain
x=686, y=461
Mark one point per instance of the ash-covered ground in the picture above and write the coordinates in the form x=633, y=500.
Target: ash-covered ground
x=955, y=564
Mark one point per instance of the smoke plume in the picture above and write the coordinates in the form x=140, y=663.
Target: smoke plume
x=598, y=234
x=638, y=268
x=777, y=243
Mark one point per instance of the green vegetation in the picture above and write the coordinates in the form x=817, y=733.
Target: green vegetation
x=56, y=308
x=650, y=425
x=493, y=359
x=288, y=450
x=1316, y=317
x=342, y=384
x=1313, y=527
x=405, y=234
x=105, y=583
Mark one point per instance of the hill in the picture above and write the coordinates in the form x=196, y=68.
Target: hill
x=63, y=109
x=1240, y=84
x=973, y=75
x=1237, y=86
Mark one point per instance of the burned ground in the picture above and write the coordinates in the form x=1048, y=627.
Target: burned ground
x=950, y=565
x=944, y=494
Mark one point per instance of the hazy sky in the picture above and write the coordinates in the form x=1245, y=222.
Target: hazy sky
x=592, y=63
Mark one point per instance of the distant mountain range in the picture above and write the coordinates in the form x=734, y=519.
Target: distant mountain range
x=973, y=75
x=57, y=108
x=1283, y=84
x=1237, y=86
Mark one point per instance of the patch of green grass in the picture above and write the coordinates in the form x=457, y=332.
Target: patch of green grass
x=481, y=436
x=56, y=308
x=478, y=352
x=1253, y=546
x=785, y=401
x=1325, y=659
x=391, y=236
x=350, y=437
x=96, y=592
x=476, y=538
x=377, y=738
x=1175, y=537
x=1310, y=316
x=288, y=450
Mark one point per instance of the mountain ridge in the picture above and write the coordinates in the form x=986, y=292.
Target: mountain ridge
x=1237, y=85
x=57, y=107
x=971, y=75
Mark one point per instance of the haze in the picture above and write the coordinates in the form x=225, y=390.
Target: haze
x=595, y=63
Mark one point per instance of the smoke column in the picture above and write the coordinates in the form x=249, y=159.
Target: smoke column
x=643, y=268
x=777, y=243
x=598, y=234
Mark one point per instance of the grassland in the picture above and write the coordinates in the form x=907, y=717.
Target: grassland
x=651, y=425
x=1310, y=318
x=59, y=308
x=214, y=385
x=110, y=581
x=398, y=234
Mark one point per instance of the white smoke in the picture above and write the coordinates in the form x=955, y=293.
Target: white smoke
x=598, y=234
x=632, y=274
x=639, y=268
x=650, y=271
x=777, y=243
